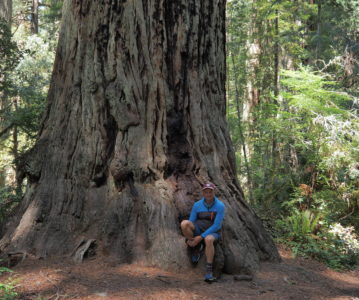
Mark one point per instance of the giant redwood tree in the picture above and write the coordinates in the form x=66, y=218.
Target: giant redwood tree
x=135, y=123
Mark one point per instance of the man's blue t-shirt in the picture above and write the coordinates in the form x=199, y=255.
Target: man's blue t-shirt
x=208, y=218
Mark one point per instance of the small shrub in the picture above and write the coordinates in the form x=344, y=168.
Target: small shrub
x=302, y=223
x=8, y=200
x=336, y=246
x=7, y=289
x=347, y=236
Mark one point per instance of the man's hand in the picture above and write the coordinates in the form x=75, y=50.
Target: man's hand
x=194, y=241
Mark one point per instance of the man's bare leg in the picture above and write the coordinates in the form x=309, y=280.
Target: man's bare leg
x=209, y=240
x=187, y=228
x=209, y=251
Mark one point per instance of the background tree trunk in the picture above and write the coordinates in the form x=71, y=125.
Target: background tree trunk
x=5, y=14
x=35, y=17
x=6, y=10
x=135, y=124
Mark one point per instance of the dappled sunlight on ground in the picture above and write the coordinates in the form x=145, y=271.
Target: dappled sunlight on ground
x=105, y=278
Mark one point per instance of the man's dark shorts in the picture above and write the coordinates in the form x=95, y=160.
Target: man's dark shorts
x=198, y=231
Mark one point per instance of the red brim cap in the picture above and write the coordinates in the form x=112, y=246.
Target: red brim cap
x=208, y=186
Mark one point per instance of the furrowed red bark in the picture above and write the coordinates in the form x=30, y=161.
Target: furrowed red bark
x=135, y=124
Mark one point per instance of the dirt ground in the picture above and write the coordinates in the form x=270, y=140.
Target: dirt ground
x=103, y=278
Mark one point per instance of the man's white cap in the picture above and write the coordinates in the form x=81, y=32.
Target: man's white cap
x=208, y=186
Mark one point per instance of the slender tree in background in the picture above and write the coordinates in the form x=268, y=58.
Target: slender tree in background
x=35, y=16
x=135, y=123
x=5, y=22
x=5, y=35
x=6, y=103
x=6, y=10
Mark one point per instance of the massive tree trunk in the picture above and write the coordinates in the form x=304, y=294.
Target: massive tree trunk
x=135, y=124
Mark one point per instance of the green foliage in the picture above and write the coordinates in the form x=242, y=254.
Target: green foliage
x=297, y=142
x=7, y=289
x=302, y=223
x=316, y=131
x=51, y=14
x=25, y=101
x=9, y=199
x=31, y=87
x=9, y=54
x=28, y=62
x=309, y=91
x=8, y=49
x=336, y=246
x=325, y=249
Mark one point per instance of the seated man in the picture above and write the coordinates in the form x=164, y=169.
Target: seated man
x=204, y=224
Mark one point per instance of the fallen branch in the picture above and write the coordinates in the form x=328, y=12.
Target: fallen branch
x=163, y=280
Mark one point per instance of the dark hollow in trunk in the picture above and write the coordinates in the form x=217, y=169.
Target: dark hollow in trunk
x=135, y=124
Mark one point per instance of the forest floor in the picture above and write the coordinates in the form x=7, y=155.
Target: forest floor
x=103, y=278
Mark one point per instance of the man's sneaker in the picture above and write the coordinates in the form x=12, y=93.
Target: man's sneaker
x=196, y=253
x=209, y=278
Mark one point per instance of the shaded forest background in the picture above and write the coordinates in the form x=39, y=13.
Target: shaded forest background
x=292, y=107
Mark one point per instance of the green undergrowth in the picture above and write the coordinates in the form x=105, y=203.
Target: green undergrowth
x=7, y=288
x=9, y=199
x=333, y=244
